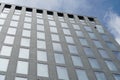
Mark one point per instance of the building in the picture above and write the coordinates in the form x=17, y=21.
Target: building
x=39, y=44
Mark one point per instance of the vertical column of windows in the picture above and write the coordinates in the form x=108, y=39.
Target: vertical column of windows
x=7, y=47
x=22, y=63
x=42, y=67
x=76, y=59
x=57, y=48
x=111, y=45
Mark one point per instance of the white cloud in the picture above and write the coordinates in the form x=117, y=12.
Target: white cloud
x=42, y=4
x=112, y=20
x=75, y=5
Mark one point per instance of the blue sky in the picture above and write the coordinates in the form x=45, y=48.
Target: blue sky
x=107, y=11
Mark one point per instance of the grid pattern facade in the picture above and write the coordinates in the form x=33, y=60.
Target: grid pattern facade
x=47, y=45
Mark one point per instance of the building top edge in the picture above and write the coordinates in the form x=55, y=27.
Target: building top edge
x=47, y=10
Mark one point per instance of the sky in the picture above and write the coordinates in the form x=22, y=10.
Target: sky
x=107, y=11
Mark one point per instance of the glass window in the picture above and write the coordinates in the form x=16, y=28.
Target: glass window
x=40, y=21
x=92, y=22
x=83, y=22
x=69, y=39
x=77, y=61
x=28, y=19
x=55, y=37
x=59, y=58
x=92, y=35
x=13, y=23
x=111, y=46
x=12, y=31
x=2, y=21
x=24, y=53
x=66, y=31
x=64, y=25
x=2, y=77
x=117, y=76
x=77, y=27
x=83, y=42
x=103, y=53
x=111, y=65
x=57, y=47
x=6, y=10
x=117, y=54
x=41, y=56
x=26, y=33
x=42, y=70
x=52, y=23
x=61, y=19
x=62, y=73
x=53, y=29
x=28, y=14
x=22, y=67
x=4, y=63
x=79, y=33
x=94, y=63
x=40, y=27
x=41, y=44
x=105, y=38
x=6, y=50
x=99, y=28
x=72, y=49
x=50, y=17
x=3, y=15
x=25, y=42
x=27, y=25
x=15, y=17
x=9, y=40
x=87, y=28
x=81, y=74
x=40, y=35
x=39, y=15
x=88, y=51
x=98, y=44
x=18, y=12
x=72, y=20
x=19, y=78
x=100, y=76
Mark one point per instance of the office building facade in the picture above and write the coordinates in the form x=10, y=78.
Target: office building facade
x=39, y=44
